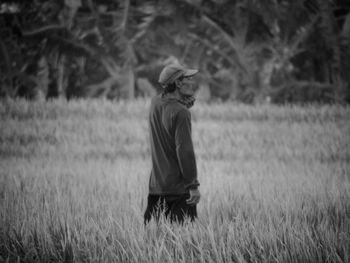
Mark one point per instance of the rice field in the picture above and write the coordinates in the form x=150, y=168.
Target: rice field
x=275, y=184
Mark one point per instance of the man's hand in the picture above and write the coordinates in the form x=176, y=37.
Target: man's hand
x=195, y=195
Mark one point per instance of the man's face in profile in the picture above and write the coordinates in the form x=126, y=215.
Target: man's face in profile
x=187, y=86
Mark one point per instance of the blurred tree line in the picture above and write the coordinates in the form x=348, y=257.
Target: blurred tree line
x=247, y=50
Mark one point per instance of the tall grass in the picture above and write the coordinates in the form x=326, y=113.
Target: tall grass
x=74, y=176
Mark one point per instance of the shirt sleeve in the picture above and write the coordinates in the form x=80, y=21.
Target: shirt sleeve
x=184, y=149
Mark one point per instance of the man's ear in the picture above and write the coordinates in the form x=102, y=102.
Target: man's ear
x=178, y=83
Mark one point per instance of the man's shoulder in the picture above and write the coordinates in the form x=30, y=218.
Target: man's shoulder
x=179, y=110
x=172, y=104
x=183, y=112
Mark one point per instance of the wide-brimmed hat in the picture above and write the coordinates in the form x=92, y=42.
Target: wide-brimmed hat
x=172, y=72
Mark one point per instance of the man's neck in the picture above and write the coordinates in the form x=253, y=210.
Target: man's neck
x=173, y=95
x=187, y=101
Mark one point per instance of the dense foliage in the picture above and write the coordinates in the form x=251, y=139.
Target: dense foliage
x=246, y=50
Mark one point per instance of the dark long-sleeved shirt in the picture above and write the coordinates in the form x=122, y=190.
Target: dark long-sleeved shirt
x=174, y=168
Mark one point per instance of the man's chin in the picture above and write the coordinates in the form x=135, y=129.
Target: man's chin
x=187, y=100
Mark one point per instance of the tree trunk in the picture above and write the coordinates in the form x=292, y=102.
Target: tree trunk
x=60, y=77
x=42, y=77
x=6, y=79
x=330, y=37
x=345, y=43
x=130, y=83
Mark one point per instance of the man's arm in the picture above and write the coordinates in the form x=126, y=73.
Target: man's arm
x=184, y=149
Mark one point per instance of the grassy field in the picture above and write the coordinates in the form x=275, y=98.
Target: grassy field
x=73, y=183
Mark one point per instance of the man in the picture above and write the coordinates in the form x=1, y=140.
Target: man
x=173, y=184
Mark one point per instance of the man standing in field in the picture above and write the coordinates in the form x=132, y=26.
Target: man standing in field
x=173, y=184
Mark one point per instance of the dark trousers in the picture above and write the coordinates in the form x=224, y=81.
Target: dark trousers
x=172, y=207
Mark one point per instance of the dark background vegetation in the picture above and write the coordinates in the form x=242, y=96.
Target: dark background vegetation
x=249, y=51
